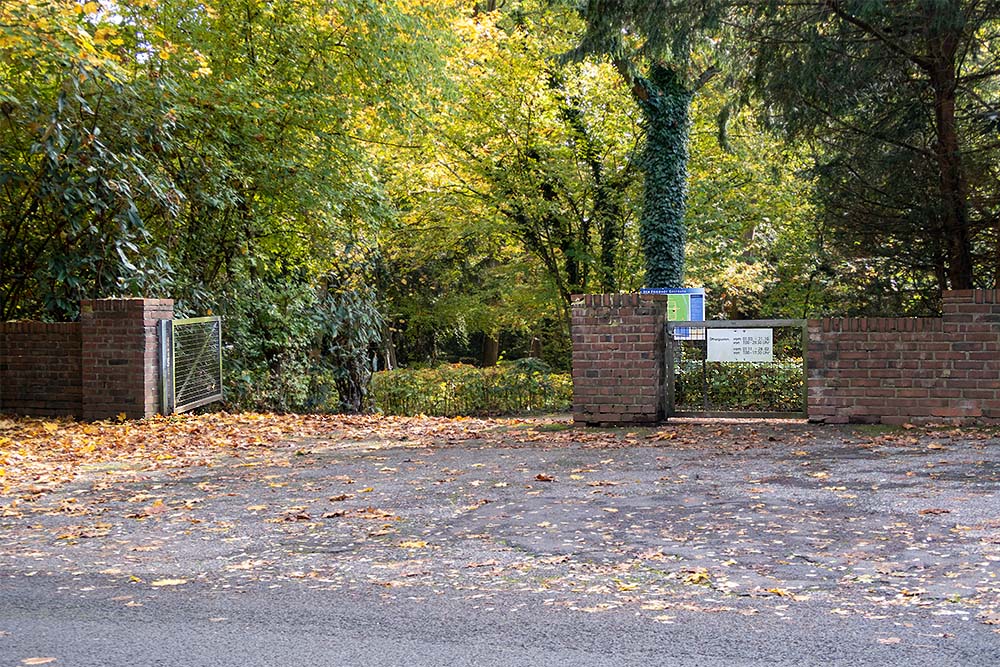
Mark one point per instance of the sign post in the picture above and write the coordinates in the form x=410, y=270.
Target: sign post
x=741, y=345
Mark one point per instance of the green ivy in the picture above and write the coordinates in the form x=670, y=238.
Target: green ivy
x=666, y=105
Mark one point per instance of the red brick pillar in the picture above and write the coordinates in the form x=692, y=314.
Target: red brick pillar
x=120, y=361
x=618, y=358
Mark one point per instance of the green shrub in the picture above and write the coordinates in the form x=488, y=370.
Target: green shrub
x=459, y=389
x=291, y=347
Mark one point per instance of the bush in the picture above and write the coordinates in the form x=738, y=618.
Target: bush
x=760, y=387
x=296, y=348
x=459, y=389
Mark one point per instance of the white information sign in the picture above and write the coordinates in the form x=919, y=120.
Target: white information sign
x=740, y=345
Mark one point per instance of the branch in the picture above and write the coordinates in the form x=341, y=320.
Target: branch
x=866, y=132
x=705, y=77
x=923, y=63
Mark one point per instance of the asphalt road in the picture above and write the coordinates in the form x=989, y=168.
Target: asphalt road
x=757, y=544
x=297, y=625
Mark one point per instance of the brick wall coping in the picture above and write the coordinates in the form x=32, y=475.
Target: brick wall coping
x=881, y=324
x=120, y=305
x=617, y=300
x=972, y=295
x=25, y=326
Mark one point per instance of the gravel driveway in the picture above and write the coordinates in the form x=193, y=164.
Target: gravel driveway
x=884, y=543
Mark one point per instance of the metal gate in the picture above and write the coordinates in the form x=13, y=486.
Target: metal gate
x=732, y=368
x=190, y=363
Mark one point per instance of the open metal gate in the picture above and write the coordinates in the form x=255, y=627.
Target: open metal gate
x=737, y=368
x=190, y=363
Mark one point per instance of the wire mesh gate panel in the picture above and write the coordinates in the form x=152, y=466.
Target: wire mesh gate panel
x=190, y=363
x=727, y=368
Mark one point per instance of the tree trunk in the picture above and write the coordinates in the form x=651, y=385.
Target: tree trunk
x=608, y=214
x=491, y=350
x=536, y=347
x=996, y=252
x=388, y=348
x=666, y=104
x=352, y=387
x=947, y=152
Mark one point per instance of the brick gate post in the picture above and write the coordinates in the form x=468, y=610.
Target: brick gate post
x=120, y=361
x=618, y=358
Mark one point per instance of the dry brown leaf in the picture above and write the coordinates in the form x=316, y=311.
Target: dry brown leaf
x=554, y=560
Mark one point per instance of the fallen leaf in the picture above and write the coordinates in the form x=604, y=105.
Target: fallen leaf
x=542, y=477
x=698, y=577
x=413, y=544
x=37, y=661
x=247, y=564
x=553, y=560
x=990, y=618
x=168, y=582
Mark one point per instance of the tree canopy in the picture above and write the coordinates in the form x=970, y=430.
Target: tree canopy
x=409, y=181
x=898, y=100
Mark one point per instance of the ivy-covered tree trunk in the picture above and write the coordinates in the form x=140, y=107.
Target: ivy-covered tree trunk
x=666, y=104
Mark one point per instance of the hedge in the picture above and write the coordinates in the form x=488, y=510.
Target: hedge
x=759, y=387
x=525, y=385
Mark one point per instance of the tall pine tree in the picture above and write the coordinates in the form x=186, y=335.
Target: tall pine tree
x=900, y=98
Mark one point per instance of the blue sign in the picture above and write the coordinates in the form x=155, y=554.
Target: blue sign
x=684, y=304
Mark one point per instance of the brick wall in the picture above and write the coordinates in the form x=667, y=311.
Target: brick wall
x=102, y=366
x=889, y=370
x=618, y=358
x=40, y=368
x=898, y=370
